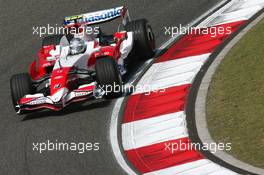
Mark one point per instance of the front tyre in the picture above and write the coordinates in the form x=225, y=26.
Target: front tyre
x=108, y=77
x=20, y=85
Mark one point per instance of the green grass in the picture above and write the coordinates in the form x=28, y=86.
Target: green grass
x=235, y=102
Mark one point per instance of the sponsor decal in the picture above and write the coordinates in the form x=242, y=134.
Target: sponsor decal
x=99, y=54
x=79, y=94
x=58, y=77
x=73, y=17
x=47, y=64
x=37, y=101
x=94, y=17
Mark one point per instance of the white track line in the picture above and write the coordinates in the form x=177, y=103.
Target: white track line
x=114, y=138
x=199, y=167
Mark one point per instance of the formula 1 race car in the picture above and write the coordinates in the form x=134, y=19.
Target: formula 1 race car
x=78, y=66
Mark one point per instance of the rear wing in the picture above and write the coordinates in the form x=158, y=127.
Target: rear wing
x=98, y=17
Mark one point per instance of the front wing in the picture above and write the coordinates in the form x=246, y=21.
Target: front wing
x=39, y=101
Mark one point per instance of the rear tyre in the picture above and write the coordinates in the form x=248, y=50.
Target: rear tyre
x=144, y=39
x=20, y=85
x=108, y=77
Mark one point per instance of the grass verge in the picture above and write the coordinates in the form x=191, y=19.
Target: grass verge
x=235, y=101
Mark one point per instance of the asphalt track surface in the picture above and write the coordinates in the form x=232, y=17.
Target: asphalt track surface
x=88, y=122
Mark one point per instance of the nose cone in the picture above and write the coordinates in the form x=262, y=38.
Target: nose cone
x=59, y=95
x=59, y=79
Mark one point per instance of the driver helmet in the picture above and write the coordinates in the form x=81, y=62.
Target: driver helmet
x=77, y=46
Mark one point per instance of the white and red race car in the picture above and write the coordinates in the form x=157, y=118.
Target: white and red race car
x=80, y=66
